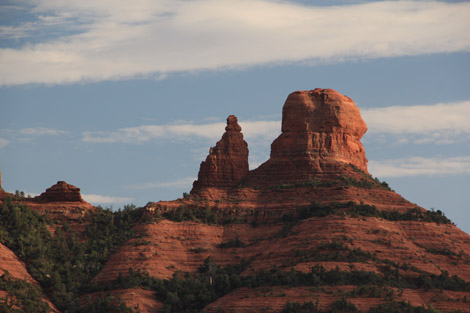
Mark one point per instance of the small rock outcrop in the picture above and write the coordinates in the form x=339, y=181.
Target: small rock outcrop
x=227, y=162
x=321, y=132
x=61, y=192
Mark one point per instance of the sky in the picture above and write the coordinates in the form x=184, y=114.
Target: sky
x=123, y=99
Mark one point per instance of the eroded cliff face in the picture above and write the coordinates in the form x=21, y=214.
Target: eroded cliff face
x=317, y=159
x=227, y=162
x=61, y=192
x=321, y=132
x=183, y=246
x=60, y=202
x=13, y=267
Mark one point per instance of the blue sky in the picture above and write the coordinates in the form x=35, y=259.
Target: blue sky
x=124, y=98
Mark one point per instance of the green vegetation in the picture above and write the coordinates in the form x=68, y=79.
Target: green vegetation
x=371, y=292
x=344, y=306
x=235, y=243
x=64, y=263
x=198, y=250
x=355, y=210
x=331, y=251
x=401, y=307
x=443, y=251
x=366, y=182
x=340, y=181
x=339, y=306
x=21, y=296
x=186, y=213
x=295, y=307
x=187, y=292
x=108, y=303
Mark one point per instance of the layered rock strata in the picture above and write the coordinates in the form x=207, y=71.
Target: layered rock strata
x=61, y=192
x=321, y=132
x=227, y=162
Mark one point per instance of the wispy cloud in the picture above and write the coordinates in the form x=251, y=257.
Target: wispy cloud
x=185, y=182
x=182, y=131
x=3, y=142
x=114, y=39
x=438, y=123
x=99, y=199
x=435, y=123
x=40, y=131
x=414, y=166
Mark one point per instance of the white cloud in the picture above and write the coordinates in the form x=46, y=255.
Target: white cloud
x=182, y=131
x=93, y=198
x=3, y=142
x=414, y=166
x=114, y=39
x=454, y=116
x=40, y=131
x=185, y=182
x=438, y=123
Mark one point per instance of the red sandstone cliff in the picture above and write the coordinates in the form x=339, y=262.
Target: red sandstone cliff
x=318, y=150
x=60, y=202
x=317, y=158
x=227, y=162
x=321, y=132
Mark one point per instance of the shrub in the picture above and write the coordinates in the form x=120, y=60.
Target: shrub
x=295, y=307
x=343, y=306
x=235, y=243
x=21, y=296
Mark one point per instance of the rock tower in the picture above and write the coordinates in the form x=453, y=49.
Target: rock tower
x=227, y=162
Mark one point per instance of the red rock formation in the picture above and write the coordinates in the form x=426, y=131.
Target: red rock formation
x=61, y=192
x=11, y=264
x=321, y=132
x=227, y=162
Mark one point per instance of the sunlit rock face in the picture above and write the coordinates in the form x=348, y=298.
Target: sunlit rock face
x=227, y=162
x=321, y=132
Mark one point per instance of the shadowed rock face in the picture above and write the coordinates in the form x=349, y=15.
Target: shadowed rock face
x=61, y=192
x=227, y=162
x=321, y=132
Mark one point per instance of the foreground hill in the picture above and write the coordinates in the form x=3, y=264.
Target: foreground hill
x=310, y=230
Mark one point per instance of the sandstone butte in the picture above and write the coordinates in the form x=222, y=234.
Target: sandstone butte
x=318, y=158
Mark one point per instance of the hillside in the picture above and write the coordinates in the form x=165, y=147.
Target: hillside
x=310, y=230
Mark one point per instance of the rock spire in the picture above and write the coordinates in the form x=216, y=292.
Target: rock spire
x=227, y=162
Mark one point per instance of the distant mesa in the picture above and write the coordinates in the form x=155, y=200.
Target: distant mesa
x=61, y=192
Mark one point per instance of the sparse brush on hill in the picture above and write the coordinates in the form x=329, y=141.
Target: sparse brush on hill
x=21, y=296
x=187, y=292
x=355, y=210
